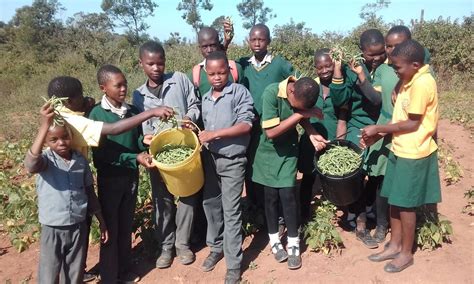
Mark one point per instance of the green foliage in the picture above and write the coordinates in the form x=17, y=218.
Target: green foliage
x=469, y=207
x=431, y=231
x=191, y=11
x=368, y=12
x=452, y=168
x=321, y=233
x=253, y=12
x=253, y=218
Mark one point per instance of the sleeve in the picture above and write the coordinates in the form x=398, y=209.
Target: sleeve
x=270, y=113
x=192, y=101
x=244, y=106
x=341, y=89
x=421, y=94
x=288, y=69
x=240, y=73
x=138, y=100
x=35, y=163
x=89, y=129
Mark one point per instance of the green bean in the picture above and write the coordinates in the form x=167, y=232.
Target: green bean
x=57, y=104
x=173, y=154
x=343, y=54
x=339, y=161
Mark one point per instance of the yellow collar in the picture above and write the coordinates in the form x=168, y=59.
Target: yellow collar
x=423, y=70
x=282, y=87
x=65, y=110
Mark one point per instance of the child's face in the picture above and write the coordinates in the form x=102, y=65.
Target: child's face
x=324, y=67
x=59, y=140
x=405, y=70
x=259, y=41
x=374, y=55
x=392, y=40
x=153, y=65
x=207, y=44
x=217, y=73
x=115, y=88
x=75, y=103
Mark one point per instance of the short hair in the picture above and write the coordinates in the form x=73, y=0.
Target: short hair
x=152, y=47
x=410, y=50
x=65, y=87
x=211, y=32
x=371, y=37
x=262, y=27
x=306, y=91
x=400, y=30
x=103, y=75
x=217, y=55
x=321, y=52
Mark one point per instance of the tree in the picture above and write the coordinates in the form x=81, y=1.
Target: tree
x=253, y=12
x=131, y=15
x=368, y=12
x=218, y=26
x=191, y=12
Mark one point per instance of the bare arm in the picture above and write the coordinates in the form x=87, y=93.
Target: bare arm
x=284, y=126
x=134, y=121
x=406, y=126
x=34, y=162
x=233, y=131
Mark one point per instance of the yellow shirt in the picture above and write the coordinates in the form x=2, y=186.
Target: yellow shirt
x=419, y=96
x=85, y=132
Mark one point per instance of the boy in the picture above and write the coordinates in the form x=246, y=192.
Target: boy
x=284, y=105
x=65, y=196
x=173, y=222
x=227, y=116
x=117, y=175
x=412, y=175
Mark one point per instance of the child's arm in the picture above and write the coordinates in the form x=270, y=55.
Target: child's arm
x=341, y=86
x=406, y=126
x=365, y=86
x=34, y=162
x=93, y=208
x=316, y=139
x=192, y=112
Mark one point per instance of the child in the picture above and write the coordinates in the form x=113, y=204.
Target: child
x=260, y=70
x=65, y=195
x=331, y=127
x=227, y=116
x=412, y=177
x=173, y=222
x=117, y=175
x=351, y=88
x=285, y=104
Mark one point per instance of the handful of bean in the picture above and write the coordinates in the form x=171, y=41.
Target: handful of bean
x=173, y=154
x=339, y=161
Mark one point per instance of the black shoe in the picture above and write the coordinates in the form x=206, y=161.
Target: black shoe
x=380, y=233
x=211, y=260
x=185, y=256
x=88, y=277
x=294, y=261
x=232, y=276
x=365, y=237
x=165, y=259
x=280, y=255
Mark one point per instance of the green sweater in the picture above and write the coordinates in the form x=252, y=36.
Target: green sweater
x=117, y=154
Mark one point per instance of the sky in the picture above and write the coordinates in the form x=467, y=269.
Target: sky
x=319, y=16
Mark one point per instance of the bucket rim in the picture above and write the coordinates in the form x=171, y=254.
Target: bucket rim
x=338, y=142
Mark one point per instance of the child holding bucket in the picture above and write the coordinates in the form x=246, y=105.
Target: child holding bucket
x=227, y=112
x=412, y=175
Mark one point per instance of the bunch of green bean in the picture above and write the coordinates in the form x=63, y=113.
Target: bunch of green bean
x=173, y=154
x=56, y=103
x=343, y=54
x=339, y=161
x=172, y=120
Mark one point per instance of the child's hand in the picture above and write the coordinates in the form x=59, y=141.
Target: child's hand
x=207, y=136
x=104, y=234
x=228, y=31
x=356, y=67
x=187, y=123
x=369, y=132
x=147, y=139
x=47, y=114
x=318, y=141
x=312, y=112
x=145, y=160
x=163, y=112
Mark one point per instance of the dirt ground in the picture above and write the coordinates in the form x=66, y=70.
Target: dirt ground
x=453, y=263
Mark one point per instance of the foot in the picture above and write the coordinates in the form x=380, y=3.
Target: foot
x=365, y=237
x=399, y=264
x=88, y=277
x=349, y=224
x=185, y=256
x=382, y=256
x=165, y=259
x=279, y=252
x=380, y=233
x=211, y=260
x=294, y=258
x=232, y=276
x=129, y=277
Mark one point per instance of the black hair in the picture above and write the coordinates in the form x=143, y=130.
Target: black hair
x=103, y=75
x=262, y=27
x=208, y=31
x=218, y=55
x=151, y=46
x=65, y=87
x=411, y=50
x=371, y=37
x=400, y=30
x=321, y=52
x=306, y=91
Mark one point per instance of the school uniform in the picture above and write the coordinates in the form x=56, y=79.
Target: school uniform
x=412, y=175
x=173, y=223
x=117, y=180
x=224, y=165
x=62, y=188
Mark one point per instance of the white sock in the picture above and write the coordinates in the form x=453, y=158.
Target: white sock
x=274, y=239
x=294, y=242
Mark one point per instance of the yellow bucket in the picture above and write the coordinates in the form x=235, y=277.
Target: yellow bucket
x=184, y=178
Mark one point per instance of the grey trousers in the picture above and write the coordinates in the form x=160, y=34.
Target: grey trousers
x=62, y=251
x=173, y=223
x=222, y=194
x=117, y=197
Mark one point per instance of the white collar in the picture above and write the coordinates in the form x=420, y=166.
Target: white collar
x=267, y=59
x=121, y=112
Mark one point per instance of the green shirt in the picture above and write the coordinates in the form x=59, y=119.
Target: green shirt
x=275, y=159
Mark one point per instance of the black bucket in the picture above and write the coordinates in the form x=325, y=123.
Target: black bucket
x=341, y=190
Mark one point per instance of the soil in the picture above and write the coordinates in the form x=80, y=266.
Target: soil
x=452, y=263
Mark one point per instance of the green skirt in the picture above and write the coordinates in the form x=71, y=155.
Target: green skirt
x=375, y=162
x=411, y=183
